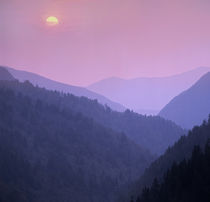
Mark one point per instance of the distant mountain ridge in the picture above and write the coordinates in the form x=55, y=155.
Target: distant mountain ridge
x=147, y=94
x=192, y=106
x=146, y=131
x=64, y=146
x=49, y=84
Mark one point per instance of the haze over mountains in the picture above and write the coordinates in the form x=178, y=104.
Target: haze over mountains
x=70, y=148
x=54, y=85
x=65, y=147
x=147, y=95
x=146, y=131
x=100, y=101
x=97, y=146
x=192, y=106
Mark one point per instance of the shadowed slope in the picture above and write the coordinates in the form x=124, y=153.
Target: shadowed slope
x=190, y=107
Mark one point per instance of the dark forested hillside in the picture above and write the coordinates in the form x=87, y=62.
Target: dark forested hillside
x=192, y=106
x=50, y=153
x=181, y=150
x=147, y=131
x=187, y=181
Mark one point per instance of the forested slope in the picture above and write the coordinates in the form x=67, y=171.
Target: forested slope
x=186, y=181
x=147, y=131
x=181, y=150
x=50, y=153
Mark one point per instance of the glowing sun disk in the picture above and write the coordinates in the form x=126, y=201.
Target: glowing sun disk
x=52, y=20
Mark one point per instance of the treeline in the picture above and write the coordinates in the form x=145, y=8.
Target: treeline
x=187, y=181
x=147, y=131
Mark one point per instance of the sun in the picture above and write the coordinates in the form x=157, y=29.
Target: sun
x=52, y=21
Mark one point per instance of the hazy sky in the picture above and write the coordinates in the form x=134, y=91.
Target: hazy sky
x=96, y=39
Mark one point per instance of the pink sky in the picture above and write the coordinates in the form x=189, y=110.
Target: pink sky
x=101, y=38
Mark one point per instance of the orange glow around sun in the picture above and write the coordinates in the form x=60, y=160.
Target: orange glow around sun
x=52, y=21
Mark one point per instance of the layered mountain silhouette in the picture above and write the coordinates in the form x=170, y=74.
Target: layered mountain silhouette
x=147, y=95
x=192, y=106
x=147, y=131
x=69, y=148
x=179, y=152
x=41, y=81
x=51, y=153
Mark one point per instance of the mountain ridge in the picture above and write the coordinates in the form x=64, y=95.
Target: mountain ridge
x=140, y=93
x=55, y=85
x=191, y=106
x=146, y=131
